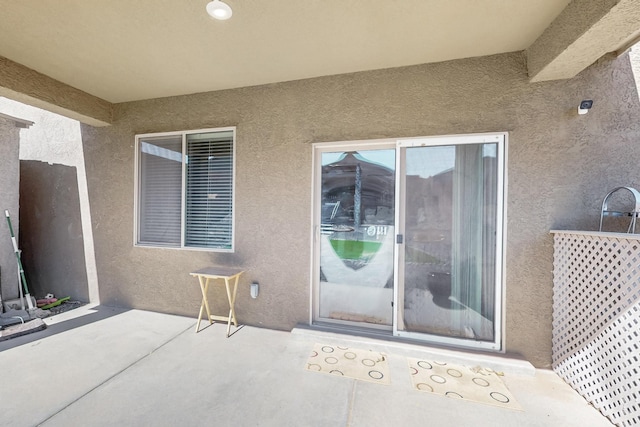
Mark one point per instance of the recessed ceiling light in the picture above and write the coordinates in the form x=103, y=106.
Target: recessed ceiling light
x=219, y=10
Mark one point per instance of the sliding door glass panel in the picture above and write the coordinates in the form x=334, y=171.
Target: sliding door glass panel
x=357, y=236
x=450, y=240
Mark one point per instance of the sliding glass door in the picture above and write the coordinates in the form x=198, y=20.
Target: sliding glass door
x=451, y=226
x=356, y=236
x=408, y=237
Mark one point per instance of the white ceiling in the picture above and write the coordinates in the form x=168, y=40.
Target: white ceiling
x=124, y=50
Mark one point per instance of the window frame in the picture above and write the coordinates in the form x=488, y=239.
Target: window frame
x=137, y=178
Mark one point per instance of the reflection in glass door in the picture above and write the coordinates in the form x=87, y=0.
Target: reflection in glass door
x=450, y=216
x=356, y=237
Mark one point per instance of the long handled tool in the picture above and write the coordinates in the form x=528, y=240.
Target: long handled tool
x=21, y=295
x=21, y=270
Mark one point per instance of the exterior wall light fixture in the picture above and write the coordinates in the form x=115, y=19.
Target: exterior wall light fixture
x=254, y=290
x=219, y=10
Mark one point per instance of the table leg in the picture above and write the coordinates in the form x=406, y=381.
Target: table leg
x=233, y=301
x=204, y=286
x=231, y=296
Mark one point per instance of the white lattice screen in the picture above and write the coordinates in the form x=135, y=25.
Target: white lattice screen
x=596, y=320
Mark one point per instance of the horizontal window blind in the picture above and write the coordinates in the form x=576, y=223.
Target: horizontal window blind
x=160, y=190
x=209, y=190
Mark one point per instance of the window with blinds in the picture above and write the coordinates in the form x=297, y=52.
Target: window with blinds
x=185, y=189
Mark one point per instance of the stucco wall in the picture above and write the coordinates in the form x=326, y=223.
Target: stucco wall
x=9, y=193
x=57, y=140
x=51, y=237
x=560, y=165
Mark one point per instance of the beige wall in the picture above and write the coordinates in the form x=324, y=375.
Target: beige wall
x=51, y=237
x=560, y=166
x=56, y=140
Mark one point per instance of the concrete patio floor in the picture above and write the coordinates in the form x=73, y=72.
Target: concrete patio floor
x=100, y=366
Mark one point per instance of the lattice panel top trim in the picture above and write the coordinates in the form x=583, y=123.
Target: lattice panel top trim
x=599, y=234
x=596, y=278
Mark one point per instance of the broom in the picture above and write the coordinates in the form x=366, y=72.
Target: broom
x=21, y=270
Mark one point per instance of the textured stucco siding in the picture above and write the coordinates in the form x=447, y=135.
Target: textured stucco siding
x=23, y=84
x=49, y=205
x=51, y=230
x=560, y=165
x=9, y=195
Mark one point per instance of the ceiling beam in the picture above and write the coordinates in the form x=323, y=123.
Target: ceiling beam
x=584, y=32
x=30, y=87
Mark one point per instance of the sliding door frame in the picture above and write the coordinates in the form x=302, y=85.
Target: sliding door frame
x=400, y=145
x=500, y=139
x=316, y=193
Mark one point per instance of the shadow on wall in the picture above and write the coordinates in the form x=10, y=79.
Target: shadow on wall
x=51, y=231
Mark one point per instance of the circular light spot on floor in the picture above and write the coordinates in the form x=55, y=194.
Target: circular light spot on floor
x=327, y=349
x=454, y=395
x=314, y=367
x=368, y=362
x=337, y=372
x=438, y=379
x=331, y=360
x=454, y=373
x=499, y=397
x=481, y=382
x=376, y=375
x=425, y=365
x=350, y=355
x=425, y=387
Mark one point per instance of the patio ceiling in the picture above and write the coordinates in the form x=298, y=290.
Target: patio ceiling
x=81, y=56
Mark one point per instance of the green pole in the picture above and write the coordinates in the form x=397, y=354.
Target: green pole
x=17, y=251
